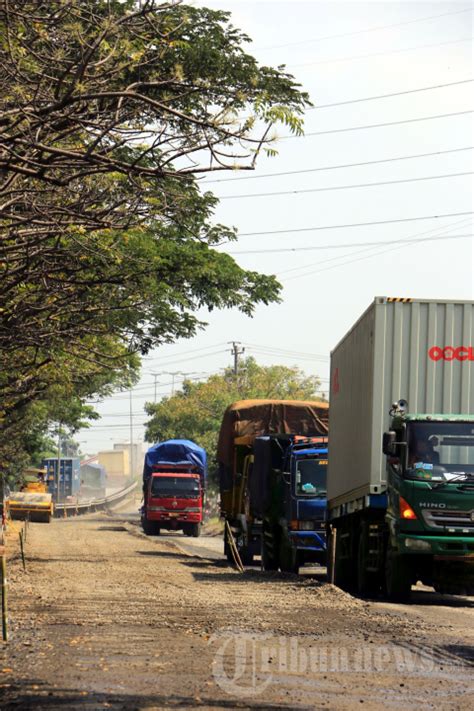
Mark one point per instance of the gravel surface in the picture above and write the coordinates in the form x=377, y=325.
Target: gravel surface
x=105, y=617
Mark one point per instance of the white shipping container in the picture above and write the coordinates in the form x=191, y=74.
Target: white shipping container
x=418, y=350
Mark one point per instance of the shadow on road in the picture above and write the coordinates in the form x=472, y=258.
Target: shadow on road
x=163, y=554
x=250, y=575
x=30, y=699
x=435, y=599
x=424, y=598
x=461, y=651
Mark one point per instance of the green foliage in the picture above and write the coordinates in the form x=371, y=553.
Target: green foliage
x=110, y=110
x=196, y=411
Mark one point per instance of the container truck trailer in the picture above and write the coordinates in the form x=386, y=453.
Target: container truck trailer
x=62, y=476
x=401, y=452
x=243, y=421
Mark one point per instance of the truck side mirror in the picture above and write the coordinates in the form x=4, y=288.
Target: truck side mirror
x=389, y=443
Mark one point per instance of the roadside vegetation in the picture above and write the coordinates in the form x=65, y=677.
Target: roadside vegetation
x=196, y=411
x=110, y=111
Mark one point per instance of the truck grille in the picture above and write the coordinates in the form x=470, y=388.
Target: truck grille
x=451, y=520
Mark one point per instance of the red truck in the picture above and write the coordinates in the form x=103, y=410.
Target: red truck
x=173, y=488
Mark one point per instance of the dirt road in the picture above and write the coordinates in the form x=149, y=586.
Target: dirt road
x=105, y=617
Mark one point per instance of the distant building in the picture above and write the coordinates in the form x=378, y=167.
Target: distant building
x=116, y=463
x=136, y=455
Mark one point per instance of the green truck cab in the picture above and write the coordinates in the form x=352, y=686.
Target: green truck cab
x=430, y=502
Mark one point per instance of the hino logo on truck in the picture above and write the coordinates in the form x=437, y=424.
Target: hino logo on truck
x=431, y=505
x=450, y=353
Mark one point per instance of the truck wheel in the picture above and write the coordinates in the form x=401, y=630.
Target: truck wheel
x=195, y=530
x=289, y=559
x=246, y=556
x=343, y=566
x=150, y=528
x=147, y=528
x=368, y=583
x=269, y=561
x=397, y=576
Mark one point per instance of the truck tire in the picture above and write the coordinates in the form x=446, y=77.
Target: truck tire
x=397, y=576
x=368, y=582
x=150, y=528
x=195, y=530
x=343, y=566
x=289, y=559
x=246, y=556
x=269, y=554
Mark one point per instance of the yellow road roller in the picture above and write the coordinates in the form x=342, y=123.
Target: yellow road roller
x=32, y=501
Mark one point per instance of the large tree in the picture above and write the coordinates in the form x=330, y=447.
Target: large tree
x=196, y=411
x=109, y=112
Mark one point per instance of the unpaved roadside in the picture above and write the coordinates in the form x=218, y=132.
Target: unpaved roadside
x=108, y=618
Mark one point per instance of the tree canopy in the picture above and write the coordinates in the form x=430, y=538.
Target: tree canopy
x=196, y=411
x=110, y=111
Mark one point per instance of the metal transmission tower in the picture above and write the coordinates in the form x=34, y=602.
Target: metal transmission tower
x=236, y=352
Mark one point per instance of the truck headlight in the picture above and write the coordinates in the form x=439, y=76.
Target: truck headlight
x=416, y=544
x=306, y=525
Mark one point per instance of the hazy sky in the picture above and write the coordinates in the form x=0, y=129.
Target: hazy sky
x=339, y=52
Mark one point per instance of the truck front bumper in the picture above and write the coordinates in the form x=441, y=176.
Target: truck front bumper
x=441, y=547
x=308, y=540
x=178, y=517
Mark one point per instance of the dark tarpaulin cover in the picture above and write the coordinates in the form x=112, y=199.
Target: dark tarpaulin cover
x=176, y=451
x=253, y=418
x=268, y=454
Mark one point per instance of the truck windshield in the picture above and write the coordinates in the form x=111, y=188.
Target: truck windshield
x=440, y=450
x=311, y=477
x=163, y=486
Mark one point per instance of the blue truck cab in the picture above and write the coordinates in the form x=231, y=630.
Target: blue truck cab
x=306, y=504
x=289, y=494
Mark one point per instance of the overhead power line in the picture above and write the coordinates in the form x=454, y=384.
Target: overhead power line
x=351, y=261
x=273, y=350
x=337, y=167
x=355, y=224
x=378, y=125
x=119, y=395
x=345, y=187
x=174, y=355
x=193, y=357
x=123, y=414
x=355, y=244
x=368, y=29
x=348, y=258
x=356, y=57
x=439, y=230
x=389, y=96
x=349, y=245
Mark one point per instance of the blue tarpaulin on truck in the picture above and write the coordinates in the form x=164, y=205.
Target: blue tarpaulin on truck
x=176, y=452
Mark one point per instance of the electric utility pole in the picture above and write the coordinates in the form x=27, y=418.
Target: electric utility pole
x=131, y=462
x=236, y=352
x=155, y=376
x=174, y=374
